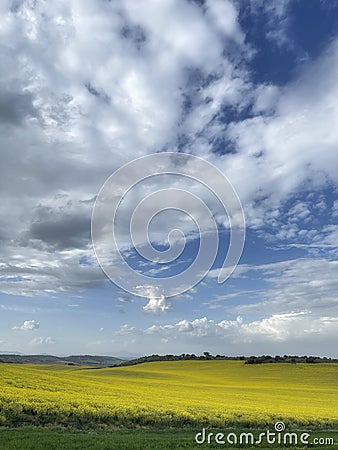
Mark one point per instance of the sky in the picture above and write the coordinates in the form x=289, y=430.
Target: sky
x=249, y=87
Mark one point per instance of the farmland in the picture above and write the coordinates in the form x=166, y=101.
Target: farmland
x=170, y=394
x=38, y=438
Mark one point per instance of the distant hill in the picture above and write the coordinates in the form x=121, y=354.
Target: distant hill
x=79, y=360
x=109, y=361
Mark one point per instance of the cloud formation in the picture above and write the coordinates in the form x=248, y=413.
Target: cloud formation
x=42, y=341
x=88, y=86
x=157, y=303
x=28, y=325
x=291, y=333
x=73, y=103
x=74, y=100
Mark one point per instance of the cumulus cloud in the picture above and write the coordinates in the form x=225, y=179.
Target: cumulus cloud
x=278, y=327
x=28, y=325
x=157, y=303
x=293, y=332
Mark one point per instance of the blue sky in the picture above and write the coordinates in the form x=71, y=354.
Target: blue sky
x=250, y=87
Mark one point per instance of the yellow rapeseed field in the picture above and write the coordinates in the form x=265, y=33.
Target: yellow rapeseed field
x=178, y=393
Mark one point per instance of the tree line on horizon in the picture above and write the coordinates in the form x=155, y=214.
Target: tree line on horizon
x=207, y=356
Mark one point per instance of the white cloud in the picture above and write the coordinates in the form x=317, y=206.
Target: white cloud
x=289, y=145
x=42, y=341
x=149, y=60
x=291, y=333
x=266, y=98
x=27, y=325
x=76, y=100
x=82, y=96
x=297, y=284
x=225, y=16
x=157, y=303
x=278, y=327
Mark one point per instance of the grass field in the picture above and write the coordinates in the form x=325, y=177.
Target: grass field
x=54, y=439
x=170, y=394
